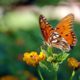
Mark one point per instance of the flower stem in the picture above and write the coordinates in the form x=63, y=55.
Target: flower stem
x=73, y=73
x=49, y=50
x=55, y=75
x=40, y=74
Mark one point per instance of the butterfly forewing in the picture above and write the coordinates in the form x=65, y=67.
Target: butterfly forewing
x=64, y=28
x=45, y=27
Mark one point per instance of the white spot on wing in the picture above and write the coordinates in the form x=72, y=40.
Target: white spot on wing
x=57, y=35
x=54, y=41
x=54, y=37
x=50, y=38
x=64, y=40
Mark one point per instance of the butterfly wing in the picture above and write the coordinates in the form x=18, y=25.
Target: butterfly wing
x=51, y=36
x=64, y=28
x=45, y=27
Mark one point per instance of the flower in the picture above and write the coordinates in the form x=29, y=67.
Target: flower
x=73, y=63
x=29, y=75
x=33, y=58
x=9, y=77
x=32, y=78
x=42, y=56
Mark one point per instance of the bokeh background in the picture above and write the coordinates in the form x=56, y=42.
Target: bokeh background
x=20, y=32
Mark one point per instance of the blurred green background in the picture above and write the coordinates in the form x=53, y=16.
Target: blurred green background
x=20, y=32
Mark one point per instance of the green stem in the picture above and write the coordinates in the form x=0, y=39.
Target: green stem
x=49, y=50
x=40, y=74
x=73, y=73
x=55, y=75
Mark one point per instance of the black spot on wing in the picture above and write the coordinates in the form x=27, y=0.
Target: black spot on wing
x=66, y=35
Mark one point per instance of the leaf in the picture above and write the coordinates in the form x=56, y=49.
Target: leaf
x=55, y=66
x=61, y=57
x=42, y=65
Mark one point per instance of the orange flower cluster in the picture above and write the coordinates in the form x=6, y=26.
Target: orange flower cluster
x=33, y=58
x=29, y=75
x=73, y=63
x=9, y=77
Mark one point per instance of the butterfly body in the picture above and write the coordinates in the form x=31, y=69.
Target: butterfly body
x=62, y=36
x=57, y=41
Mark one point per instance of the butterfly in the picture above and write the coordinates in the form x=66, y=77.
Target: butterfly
x=62, y=37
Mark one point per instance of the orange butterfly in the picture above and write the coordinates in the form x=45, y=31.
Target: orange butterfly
x=62, y=36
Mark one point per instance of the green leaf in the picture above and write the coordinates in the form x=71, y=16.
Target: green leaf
x=42, y=65
x=55, y=66
x=62, y=56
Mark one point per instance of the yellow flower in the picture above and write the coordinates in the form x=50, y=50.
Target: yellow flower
x=42, y=56
x=73, y=63
x=33, y=58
